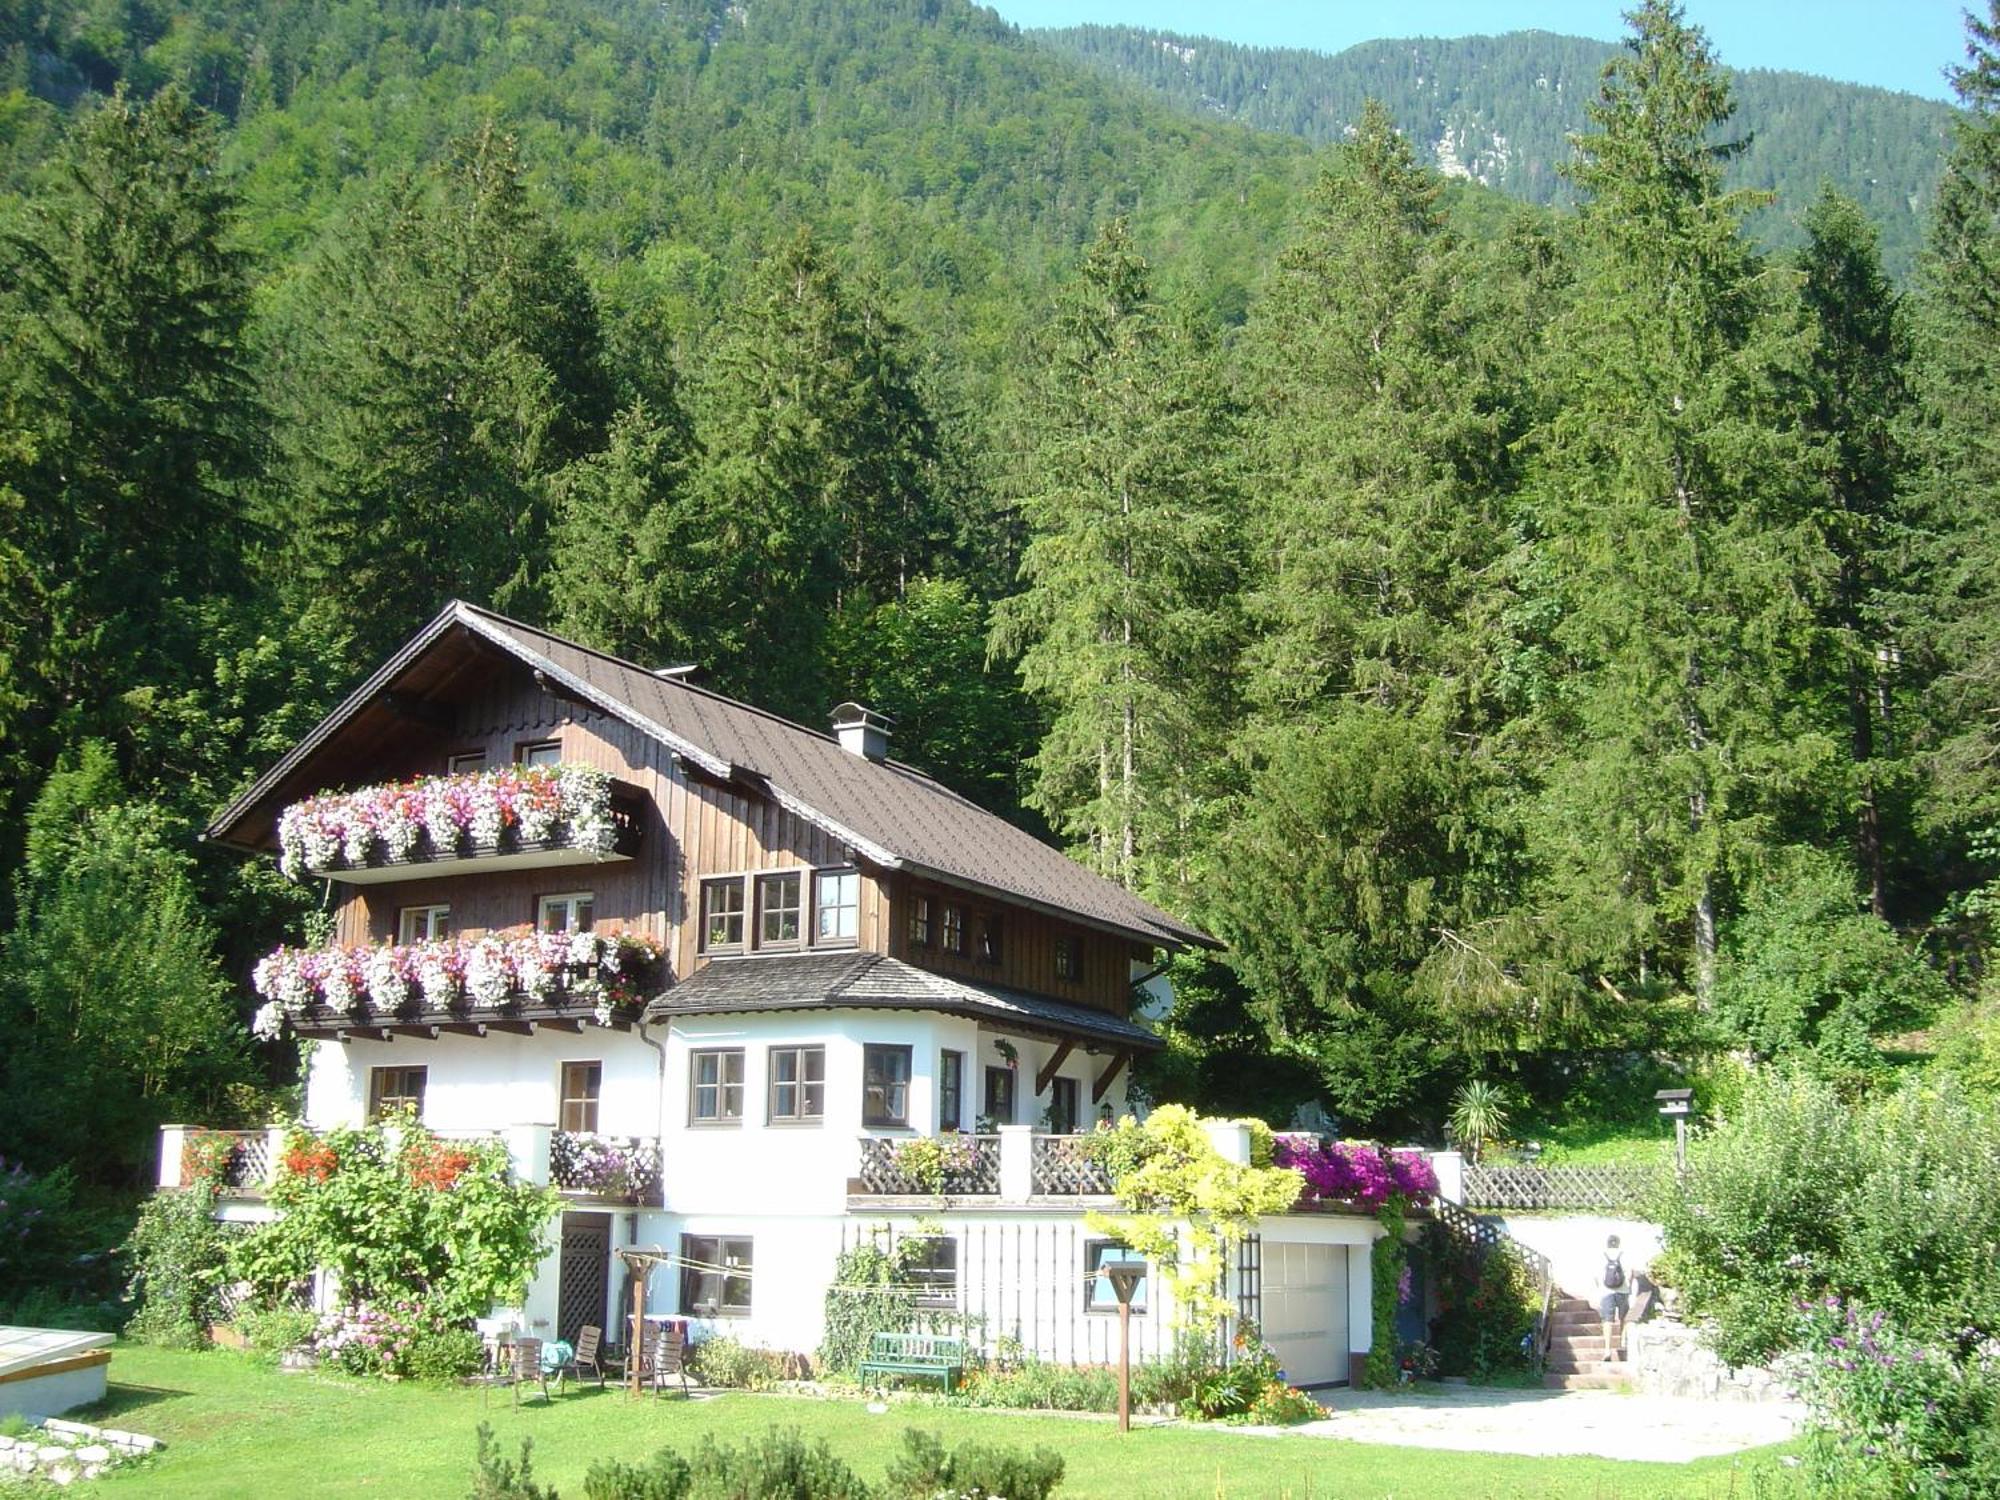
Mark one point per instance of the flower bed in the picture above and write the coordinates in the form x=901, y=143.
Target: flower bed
x=441, y=815
x=1357, y=1173
x=606, y=970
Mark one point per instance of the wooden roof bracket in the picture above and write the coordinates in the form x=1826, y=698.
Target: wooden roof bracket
x=1053, y=1066
x=1109, y=1076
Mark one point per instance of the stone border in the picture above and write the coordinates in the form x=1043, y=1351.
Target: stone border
x=71, y=1451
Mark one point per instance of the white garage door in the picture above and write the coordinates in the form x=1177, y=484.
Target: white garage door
x=1305, y=1310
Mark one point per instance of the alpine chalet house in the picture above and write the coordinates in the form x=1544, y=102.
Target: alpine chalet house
x=710, y=973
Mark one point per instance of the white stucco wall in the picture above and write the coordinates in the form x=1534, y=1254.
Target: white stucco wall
x=1574, y=1244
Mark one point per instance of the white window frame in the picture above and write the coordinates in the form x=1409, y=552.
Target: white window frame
x=538, y=753
x=821, y=910
x=742, y=914
x=776, y=878
x=423, y=924
x=567, y=903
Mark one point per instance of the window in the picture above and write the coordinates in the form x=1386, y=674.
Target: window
x=999, y=1096
x=581, y=1082
x=1068, y=962
x=885, y=1086
x=721, y=915
x=951, y=1091
x=1063, y=1106
x=540, y=753
x=778, y=909
x=715, y=1276
x=954, y=929
x=836, y=906
x=920, y=921
x=716, y=1091
x=421, y=924
x=798, y=1085
x=393, y=1090
x=471, y=760
x=1097, y=1293
x=988, y=950
x=569, y=912
x=931, y=1267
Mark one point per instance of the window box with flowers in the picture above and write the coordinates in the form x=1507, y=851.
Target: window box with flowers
x=518, y=815
x=615, y=1169
x=609, y=973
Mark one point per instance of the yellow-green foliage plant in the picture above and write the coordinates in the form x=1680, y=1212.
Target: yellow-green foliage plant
x=1167, y=1172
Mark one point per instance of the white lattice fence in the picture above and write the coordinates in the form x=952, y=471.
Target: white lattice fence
x=1585, y=1187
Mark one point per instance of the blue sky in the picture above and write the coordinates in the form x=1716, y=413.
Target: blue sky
x=1897, y=44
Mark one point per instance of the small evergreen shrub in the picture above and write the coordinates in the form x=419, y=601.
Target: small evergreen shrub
x=497, y=1479
x=973, y=1471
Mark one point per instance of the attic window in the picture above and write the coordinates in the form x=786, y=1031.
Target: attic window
x=461, y=765
x=540, y=753
x=988, y=949
x=1068, y=961
x=954, y=929
x=778, y=903
x=920, y=921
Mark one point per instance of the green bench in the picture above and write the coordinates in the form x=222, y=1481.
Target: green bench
x=918, y=1354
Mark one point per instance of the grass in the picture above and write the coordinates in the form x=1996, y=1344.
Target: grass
x=235, y=1427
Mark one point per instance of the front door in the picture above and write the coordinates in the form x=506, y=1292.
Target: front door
x=584, y=1273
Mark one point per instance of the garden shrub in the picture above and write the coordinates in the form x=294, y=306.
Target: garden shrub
x=780, y=1465
x=402, y=1338
x=444, y=1354
x=1892, y=1415
x=497, y=1478
x=1891, y=1201
x=872, y=1292
x=1251, y=1388
x=1489, y=1303
x=727, y=1362
x=972, y=1471
x=271, y=1331
x=1037, y=1385
x=178, y=1257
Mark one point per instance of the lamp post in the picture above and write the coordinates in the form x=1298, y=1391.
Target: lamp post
x=1125, y=1276
x=1677, y=1105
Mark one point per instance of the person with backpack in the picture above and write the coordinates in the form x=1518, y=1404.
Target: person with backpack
x=1614, y=1284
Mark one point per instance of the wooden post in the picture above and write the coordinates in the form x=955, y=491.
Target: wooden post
x=635, y=1342
x=1125, y=1365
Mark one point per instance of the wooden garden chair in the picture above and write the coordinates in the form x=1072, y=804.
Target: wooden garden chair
x=588, y=1358
x=669, y=1359
x=526, y=1366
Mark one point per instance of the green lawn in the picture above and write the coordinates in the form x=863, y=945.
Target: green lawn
x=236, y=1428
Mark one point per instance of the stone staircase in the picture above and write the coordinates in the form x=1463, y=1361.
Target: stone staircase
x=1578, y=1360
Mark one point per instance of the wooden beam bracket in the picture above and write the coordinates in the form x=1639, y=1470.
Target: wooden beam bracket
x=1053, y=1066
x=1109, y=1076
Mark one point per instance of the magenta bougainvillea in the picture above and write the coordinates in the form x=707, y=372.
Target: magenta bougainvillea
x=1355, y=1172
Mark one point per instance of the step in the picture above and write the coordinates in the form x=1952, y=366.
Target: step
x=1582, y=1365
x=1585, y=1383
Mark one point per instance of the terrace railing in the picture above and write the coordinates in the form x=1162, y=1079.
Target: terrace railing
x=962, y=1166
x=247, y=1160
x=1062, y=1166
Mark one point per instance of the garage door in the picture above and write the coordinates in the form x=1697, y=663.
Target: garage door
x=1305, y=1310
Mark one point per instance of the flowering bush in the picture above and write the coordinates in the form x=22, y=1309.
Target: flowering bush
x=399, y=1338
x=309, y=1159
x=208, y=1159
x=524, y=804
x=606, y=969
x=935, y=1162
x=1251, y=1388
x=1892, y=1415
x=604, y=1167
x=1356, y=1172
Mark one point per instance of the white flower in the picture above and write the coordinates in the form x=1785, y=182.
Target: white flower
x=537, y=965
x=388, y=984
x=269, y=1022
x=489, y=978
x=584, y=948
x=397, y=829
x=434, y=975
x=487, y=820
x=602, y=1013
x=440, y=815
x=337, y=985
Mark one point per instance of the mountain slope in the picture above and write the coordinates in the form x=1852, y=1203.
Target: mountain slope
x=1499, y=108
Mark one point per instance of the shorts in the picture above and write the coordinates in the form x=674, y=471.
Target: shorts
x=1612, y=1306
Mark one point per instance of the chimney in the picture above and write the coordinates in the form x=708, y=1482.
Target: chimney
x=862, y=731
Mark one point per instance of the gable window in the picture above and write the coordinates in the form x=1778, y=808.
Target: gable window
x=988, y=949
x=394, y=1090
x=539, y=753
x=836, y=906
x=951, y=1091
x=1063, y=1106
x=999, y=1096
x=920, y=921
x=422, y=924
x=581, y=1084
x=798, y=1085
x=953, y=938
x=930, y=1265
x=885, y=1086
x=715, y=1276
x=1069, y=963
x=569, y=912
x=471, y=760
x=715, y=1091
x=778, y=909
x=721, y=915
x=1097, y=1293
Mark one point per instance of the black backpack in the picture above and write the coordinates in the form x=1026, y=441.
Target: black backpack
x=1614, y=1273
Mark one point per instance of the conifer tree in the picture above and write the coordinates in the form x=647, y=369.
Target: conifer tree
x=1667, y=498
x=1125, y=621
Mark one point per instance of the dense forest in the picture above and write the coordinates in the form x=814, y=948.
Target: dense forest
x=1549, y=645
x=1501, y=110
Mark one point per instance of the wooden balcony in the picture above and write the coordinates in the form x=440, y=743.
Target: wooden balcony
x=1015, y=1166
x=469, y=858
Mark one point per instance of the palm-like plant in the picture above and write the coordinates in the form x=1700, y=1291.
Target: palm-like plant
x=1478, y=1114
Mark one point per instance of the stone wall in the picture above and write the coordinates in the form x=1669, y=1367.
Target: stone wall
x=1666, y=1357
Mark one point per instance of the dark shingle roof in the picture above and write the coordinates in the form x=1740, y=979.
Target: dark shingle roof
x=873, y=981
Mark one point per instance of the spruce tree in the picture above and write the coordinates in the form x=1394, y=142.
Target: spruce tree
x=1125, y=621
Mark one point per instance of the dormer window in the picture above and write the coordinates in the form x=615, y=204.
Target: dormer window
x=422, y=924
x=539, y=753
x=569, y=912
x=778, y=904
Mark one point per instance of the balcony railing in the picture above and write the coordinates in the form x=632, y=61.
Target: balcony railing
x=611, y=1168
x=1062, y=1165
x=950, y=1166
x=511, y=817
x=238, y=1163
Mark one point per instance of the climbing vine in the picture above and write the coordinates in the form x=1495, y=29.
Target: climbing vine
x=1386, y=1264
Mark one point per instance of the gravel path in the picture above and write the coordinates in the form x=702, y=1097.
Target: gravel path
x=1607, y=1424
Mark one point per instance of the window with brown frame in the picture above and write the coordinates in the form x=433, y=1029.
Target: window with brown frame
x=422, y=924
x=715, y=1276
x=999, y=1096
x=953, y=935
x=987, y=949
x=715, y=1086
x=394, y=1090
x=951, y=1091
x=778, y=905
x=920, y=921
x=1069, y=964
x=885, y=1086
x=581, y=1084
x=722, y=915
x=1064, y=1107
x=539, y=753
x=797, y=1085
x=471, y=760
